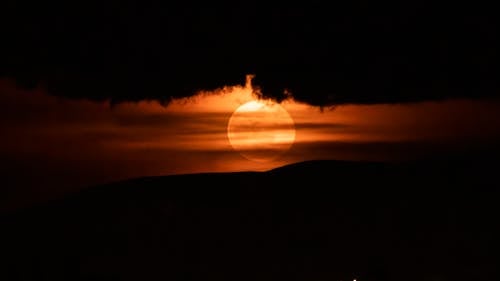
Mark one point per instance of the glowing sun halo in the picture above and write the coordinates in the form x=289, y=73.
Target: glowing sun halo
x=261, y=130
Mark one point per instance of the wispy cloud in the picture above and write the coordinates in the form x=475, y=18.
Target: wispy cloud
x=55, y=142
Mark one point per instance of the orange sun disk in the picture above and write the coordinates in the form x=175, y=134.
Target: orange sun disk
x=261, y=130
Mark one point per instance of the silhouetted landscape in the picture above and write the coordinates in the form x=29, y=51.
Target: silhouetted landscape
x=172, y=140
x=316, y=220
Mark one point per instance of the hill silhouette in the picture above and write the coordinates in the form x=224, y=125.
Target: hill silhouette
x=316, y=220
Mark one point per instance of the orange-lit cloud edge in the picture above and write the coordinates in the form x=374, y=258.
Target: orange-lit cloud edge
x=92, y=142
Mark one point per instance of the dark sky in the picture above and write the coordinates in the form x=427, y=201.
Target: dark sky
x=388, y=82
x=389, y=66
x=322, y=52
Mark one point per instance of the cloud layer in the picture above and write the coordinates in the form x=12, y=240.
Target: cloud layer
x=363, y=52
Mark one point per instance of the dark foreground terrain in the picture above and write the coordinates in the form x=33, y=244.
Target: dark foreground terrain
x=320, y=220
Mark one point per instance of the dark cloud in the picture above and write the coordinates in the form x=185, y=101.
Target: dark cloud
x=324, y=54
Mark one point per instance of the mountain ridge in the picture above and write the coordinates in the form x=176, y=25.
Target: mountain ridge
x=317, y=220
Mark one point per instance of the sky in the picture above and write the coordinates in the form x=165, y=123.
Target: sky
x=93, y=91
x=358, y=52
x=54, y=145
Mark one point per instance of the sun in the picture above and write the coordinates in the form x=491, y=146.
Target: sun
x=261, y=130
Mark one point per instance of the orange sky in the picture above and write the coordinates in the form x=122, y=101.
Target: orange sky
x=56, y=142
